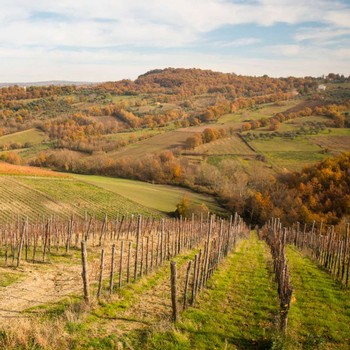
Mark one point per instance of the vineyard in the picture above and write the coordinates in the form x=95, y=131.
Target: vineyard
x=38, y=196
x=147, y=282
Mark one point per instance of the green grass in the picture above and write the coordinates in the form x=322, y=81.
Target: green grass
x=33, y=136
x=81, y=197
x=236, y=311
x=295, y=160
x=36, y=197
x=290, y=154
x=159, y=197
x=133, y=134
x=230, y=145
x=319, y=317
x=9, y=277
x=258, y=111
x=158, y=143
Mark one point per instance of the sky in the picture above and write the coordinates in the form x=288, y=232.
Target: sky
x=108, y=40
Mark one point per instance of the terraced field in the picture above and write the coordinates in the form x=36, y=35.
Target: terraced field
x=43, y=196
x=85, y=197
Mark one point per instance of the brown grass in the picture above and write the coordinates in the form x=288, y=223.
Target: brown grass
x=11, y=169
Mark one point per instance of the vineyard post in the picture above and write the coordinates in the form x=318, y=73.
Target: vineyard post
x=121, y=265
x=141, y=260
x=100, y=280
x=138, y=232
x=173, y=277
x=70, y=228
x=85, y=272
x=186, y=284
x=345, y=251
x=21, y=244
x=147, y=254
x=152, y=250
x=128, y=264
x=27, y=243
x=111, y=276
x=194, y=281
x=161, y=240
x=105, y=222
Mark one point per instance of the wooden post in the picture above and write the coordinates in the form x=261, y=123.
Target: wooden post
x=147, y=250
x=111, y=277
x=121, y=265
x=100, y=280
x=128, y=264
x=141, y=260
x=138, y=232
x=85, y=272
x=194, y=281
x=186, y=284
x=173, y=277
x=105, y=223
x=70, y=229
x=21, y=243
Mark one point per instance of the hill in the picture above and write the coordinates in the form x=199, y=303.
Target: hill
x=212, y=132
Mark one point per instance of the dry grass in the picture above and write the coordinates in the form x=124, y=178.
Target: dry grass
x=11, y=169
x=28, y=334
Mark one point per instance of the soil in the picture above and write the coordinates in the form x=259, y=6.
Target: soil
x=40, y=286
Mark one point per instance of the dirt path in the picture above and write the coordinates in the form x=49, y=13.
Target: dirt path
x=39, y=287
x=152, y=303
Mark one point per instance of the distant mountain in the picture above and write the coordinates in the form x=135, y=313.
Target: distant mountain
x=47, y=83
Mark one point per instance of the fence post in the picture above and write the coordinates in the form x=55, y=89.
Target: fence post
x=101, y=274
x=85, y=272
x=173, y=277
x=186, y=284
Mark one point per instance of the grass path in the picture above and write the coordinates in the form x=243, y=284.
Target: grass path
x=237, y=311
x=319, y=317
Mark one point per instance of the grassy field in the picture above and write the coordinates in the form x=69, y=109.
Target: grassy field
x=231, y=145
x=44, y=196
x=237, y=311
x=33, y=136
x=319, y=317
x=133, y=134
x=159, y=197
x=258, y=111
x=85, y=197
x=289, y=154
x=158, y=143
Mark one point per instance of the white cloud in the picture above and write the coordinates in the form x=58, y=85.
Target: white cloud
x=320, y=34
x=54, y=45
x=238, y=42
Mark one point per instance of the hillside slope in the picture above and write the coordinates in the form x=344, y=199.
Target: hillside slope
x=36, y=197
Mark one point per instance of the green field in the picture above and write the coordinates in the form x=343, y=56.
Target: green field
x=258, y=112
x=33, y=136
x=133, y=134
x=289, y=154
x=230, y=145
x=158, y=143
x=36, y=197
x=159, y=197
x=319, y=316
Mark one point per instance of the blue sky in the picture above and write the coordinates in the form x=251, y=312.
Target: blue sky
x=89, y=40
